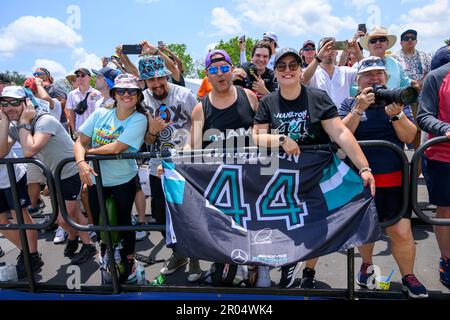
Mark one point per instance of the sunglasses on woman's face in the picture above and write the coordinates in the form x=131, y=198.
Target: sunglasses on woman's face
x=14, y=102
x=293, y=66
x=224, y=69
x=81, y=75
x=131, y=92
x=375, y=40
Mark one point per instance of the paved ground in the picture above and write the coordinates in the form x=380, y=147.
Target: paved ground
x=331, y=269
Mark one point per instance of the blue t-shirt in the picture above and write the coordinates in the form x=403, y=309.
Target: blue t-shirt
x=104, y=127
x=375, y=125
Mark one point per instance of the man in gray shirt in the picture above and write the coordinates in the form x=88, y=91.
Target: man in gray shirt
x=42, y=136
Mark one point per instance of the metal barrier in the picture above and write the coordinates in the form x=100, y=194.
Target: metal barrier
x=415, y=182
x=20, y=225
x=349, y=293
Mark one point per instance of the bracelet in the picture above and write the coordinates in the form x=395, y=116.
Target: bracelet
x=362, y=170
x=354, y=111
x=81, y=161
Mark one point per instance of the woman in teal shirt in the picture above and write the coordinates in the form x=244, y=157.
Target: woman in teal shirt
x=120, y=129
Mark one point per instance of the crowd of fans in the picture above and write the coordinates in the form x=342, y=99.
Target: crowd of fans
x=282, y=98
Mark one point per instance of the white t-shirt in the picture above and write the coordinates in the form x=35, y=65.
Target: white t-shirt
x=338, y=86
x=19, y=169
x=75, y=96
x=56, y=111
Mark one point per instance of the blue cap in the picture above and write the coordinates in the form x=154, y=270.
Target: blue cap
x=441, y=57
x=109, y=74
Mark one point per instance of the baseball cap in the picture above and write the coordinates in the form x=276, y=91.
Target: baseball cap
x=16, y=92
x=272, y=36
x=108, y=73
x=324, y=41
x=307, y=42
x=441, y=57
x=209, y=61
x=414, y=32
x=38, y=72
x=83, y=70
x=371, y=63
x=285, y=52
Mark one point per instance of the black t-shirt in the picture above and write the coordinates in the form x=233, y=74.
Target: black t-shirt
x=298, y=119
x=268, y=76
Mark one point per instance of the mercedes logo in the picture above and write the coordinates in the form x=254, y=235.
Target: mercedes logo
x=239, y=256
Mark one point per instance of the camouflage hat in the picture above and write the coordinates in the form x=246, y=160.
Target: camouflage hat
x=152, y=66
x=126, y=81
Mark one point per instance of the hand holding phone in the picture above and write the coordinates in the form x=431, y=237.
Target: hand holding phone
x=362, y=28
x=131, y=49
x=242, y=39
x=340, y=45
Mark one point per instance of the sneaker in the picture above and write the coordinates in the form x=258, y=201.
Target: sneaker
x=87, y=251
x=263, y=280
x=2, y=253
x=71, y=248
x=288, y=274
x=363, y=275
x=40, y=204
x=308, y=281
x=36, y=264
x=93, y=236
x=60, y=236
x=129, y=272
x=175, y=262
x=413, y=287
x=195, y=272
x=444, y=271
x=34, y=212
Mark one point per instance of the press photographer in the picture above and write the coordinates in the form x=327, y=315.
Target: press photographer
x=255, y=75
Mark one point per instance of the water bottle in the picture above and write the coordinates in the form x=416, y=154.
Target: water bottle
x=140, y=274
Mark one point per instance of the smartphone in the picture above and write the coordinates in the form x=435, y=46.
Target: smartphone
x=132, y=49
x=242, y=39
x=362, y=27
x=160, y=43
x=340, y=45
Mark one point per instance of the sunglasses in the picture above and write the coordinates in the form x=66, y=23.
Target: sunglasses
x=371, y=63
x=375, y=40
x=39, y=74
x=409, y=39
x=224, y=69
x=293, y=66
x=81, y=75
x=309, y=49
x=131, y=92
x=13, y=103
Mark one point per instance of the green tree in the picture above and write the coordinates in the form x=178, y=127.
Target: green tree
x=179, y=49
x=232, y=48
x=16, y=77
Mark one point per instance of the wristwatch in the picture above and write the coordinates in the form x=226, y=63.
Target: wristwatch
x=25, y=126
x=397, y=116
x=282, y=140
x=317, y=59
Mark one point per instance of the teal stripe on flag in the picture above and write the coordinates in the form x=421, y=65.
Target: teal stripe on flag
x=174, y=184
x=339, y=184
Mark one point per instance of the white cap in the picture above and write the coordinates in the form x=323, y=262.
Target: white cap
x=13, y=92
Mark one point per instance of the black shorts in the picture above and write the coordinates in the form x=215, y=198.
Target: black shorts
x=138, y=183
x=437, y=178
x=71, y=188
x=6, y=197
x=389, y=203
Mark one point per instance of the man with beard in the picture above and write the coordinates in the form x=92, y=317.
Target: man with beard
x=170, y=107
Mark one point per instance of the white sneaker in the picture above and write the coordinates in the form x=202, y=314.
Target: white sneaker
x=263, y=277
x=60, y=236
x=195, y=272
x=140, y=235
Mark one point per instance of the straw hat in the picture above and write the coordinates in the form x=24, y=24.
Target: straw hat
x=376, y=33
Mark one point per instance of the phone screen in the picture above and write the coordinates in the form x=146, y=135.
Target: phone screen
x=340, y=45
x=362, y=27
x=132, y=49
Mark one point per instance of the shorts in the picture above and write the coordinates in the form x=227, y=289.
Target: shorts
x=71, y=188
x=35, y=175
x=437, y=178
x=138, y=183
x=388, y=202
x=6, y=197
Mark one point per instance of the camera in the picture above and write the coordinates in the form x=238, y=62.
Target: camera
x=385, y=96
x=250, y=69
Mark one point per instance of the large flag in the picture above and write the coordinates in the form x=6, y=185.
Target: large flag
x=230, y=212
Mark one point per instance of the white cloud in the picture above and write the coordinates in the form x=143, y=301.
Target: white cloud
x=56, y=69
x=211, y=46
x=431, y=23
x=29, y=31
x=295, y=17
x=360, y=4
x=225, y=22
x=83, y=59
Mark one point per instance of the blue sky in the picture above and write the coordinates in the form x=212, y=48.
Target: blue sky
x=64, y=35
